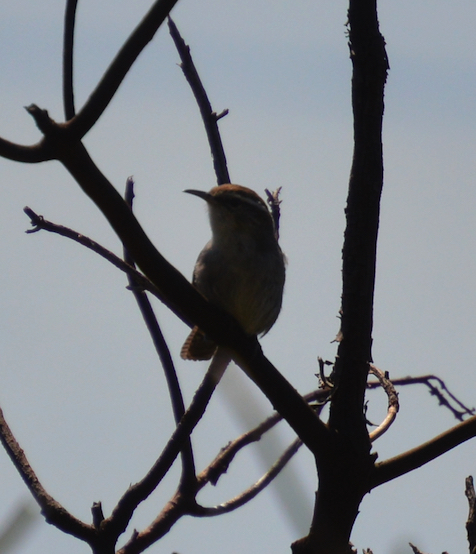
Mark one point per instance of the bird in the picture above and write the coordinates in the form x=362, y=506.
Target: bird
x=241, y=269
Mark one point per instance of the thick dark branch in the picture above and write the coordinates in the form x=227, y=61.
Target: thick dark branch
x=370, y=65
x=113, y=77
x=26, y=154
x=209, y=117
x=426, y=452
x=188, y=304
x=471, y=522
x=68, y=46
x=53, y=512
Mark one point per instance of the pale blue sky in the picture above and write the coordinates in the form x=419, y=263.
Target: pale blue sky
x=80, y=384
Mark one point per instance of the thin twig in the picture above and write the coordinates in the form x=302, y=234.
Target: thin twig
x=255, y=489
x=68, y=60
x=415, y=549
x=220, y=464
x=188, y=478
x=137, y=493
x=274, y=203
x=393, y=405
x=40, y=223
x=440, y=394
x=209, y=117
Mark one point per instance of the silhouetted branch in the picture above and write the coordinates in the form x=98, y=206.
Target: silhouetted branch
x=255, y=489
x=177, y=293
x=33, y=154
x=209, y=117
x=40, y=223
x=137, y=493
x=188, y=478
x=68, y=48
x=118, y=69
x=439, y=394
x=53, y=512
x=426, y=452
x=471, y=521
x=274, y=203
x=415, y=549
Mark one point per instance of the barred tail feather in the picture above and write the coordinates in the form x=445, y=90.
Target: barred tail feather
x=197, y=346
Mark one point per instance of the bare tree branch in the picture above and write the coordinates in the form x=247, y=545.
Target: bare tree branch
x=209, y=117
x=188, y=478
x=255, y=489
x=460, y=411
x=393, y=405
x=68, y=48
x=52, y=510
x=471, y=521
x=426, y=452
x=40, y=223
x=34, y=154
x=137, y=493
x=114, y=75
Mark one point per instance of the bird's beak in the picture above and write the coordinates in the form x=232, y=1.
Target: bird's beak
x=200, y=193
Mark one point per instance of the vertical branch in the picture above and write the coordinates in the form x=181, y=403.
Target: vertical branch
x=346, y=469
x=68, y=47
x=188, y=478
x=370, y=65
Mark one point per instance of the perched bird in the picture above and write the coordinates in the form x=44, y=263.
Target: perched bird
x=241, y=269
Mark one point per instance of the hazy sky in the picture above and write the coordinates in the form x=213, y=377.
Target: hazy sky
x=80, y=383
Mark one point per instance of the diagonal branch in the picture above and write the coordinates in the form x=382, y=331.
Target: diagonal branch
x=114, y=75
x=255, y=489
x=209, y=117
x=421, y=455
x=52, y=510
x=39, y=223
x=137, y=493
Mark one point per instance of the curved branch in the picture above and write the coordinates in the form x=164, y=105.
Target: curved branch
x=114, y=75
x=426, y=452
x=33, y=154
x=393, y=405
x=52, y=510
x=188, y=479
x=254, y=490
